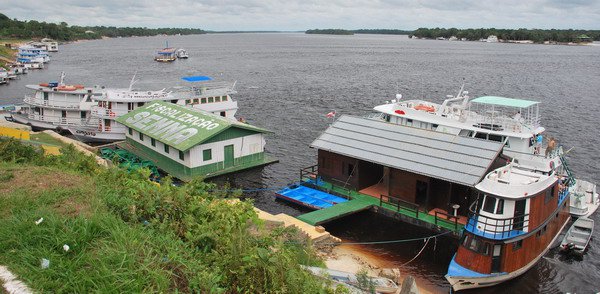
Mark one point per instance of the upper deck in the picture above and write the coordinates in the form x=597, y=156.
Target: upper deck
x=514, y=182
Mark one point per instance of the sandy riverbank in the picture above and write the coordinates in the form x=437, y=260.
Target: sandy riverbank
x=351, y=258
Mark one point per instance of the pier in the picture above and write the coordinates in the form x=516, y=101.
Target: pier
x=386, y=205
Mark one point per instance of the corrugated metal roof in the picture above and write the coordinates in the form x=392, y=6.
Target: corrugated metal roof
x=178, y=126
x=434, y=154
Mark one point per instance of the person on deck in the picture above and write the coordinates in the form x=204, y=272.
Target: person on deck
x=539, y=140
x=551, y=146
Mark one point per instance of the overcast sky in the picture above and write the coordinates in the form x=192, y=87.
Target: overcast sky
x=309, y=14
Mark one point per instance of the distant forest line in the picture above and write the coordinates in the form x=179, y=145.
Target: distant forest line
x=16, y=29
x=535, y=35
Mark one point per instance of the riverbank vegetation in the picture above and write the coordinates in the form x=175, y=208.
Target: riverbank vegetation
x=535, y=35
x=16, y=29
x=124, y=233
x=330, y=32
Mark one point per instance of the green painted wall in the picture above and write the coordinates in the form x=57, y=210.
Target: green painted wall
x=230, y=133
x=183, y=172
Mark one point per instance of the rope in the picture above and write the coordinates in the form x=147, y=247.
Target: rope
x=386, y=242
x=417, y=253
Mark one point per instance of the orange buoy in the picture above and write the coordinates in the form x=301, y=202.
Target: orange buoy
x=66, y=88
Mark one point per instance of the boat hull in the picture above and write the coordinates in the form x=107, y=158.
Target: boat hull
x=463, y=283
x=92, y=136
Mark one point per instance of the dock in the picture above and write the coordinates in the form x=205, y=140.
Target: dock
x=360, y=202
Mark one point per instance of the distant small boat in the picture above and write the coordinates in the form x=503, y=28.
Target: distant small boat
x=578, y=236
x=181, y=53
x=166, y=55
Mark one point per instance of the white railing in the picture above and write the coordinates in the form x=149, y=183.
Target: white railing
x=29, y=99
x=57, y=120
x=107, y=113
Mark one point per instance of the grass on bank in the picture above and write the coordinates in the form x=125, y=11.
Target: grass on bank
x=127, y=234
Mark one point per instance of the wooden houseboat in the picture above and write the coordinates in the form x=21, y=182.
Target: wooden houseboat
x=424, y=170
x=519, y=213
x=187, y=142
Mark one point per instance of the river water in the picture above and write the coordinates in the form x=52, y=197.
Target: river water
x=288, y=82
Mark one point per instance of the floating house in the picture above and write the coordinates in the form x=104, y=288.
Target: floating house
x=188, y=143
x=416, y=175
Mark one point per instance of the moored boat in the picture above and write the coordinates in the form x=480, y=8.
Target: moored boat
x=515, y=122
x=518, y=215
x=578, y=236
x=182, y=54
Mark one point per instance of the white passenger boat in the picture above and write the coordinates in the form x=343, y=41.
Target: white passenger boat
x=56, y=105
x=516, y=122
x=33, y=53
x=51, y=45
x=213, y=97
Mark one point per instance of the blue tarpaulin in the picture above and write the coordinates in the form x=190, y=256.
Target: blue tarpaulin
x=196, y=78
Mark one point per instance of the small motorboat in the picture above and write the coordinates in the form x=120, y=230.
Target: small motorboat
x=578, y=236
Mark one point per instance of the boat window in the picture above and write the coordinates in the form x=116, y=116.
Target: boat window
x=477, y=245
x=83, y=114
x=218, y=99
x=224, y=98
x=206, y=154
x=181, y=155
x=189, y=101
x=500, y=207
x=549, y=194
x=496, y=138
x=153, y=142
x=203, y=100
x=196, y=101
x=465, y=240
x=481, y=136
x=211, y=99
x=130, y=106
x=166, y=148
x=489, y=204
x=223, y=113
x=517, y=245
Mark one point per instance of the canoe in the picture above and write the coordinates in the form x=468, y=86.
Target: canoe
x=578, y=236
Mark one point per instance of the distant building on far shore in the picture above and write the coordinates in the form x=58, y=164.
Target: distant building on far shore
x=583, y=38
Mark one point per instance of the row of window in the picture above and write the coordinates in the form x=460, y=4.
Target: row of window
x=493, y=205
x=206, y=100
x=206, y=154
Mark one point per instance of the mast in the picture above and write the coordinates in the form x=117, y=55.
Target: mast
x=132, y=81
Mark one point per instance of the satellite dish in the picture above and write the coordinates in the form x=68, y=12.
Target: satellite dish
x=398, y=96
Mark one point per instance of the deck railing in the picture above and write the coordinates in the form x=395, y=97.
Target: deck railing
x=444, y=217
x=496, y=228
x=399, y=203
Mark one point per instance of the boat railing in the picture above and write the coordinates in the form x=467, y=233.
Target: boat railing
x=103, y=112
x=398, y=204
x=57, y=120
x=496, y=228
x=30, y=99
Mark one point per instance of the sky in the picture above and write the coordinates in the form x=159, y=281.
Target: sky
x=299, y=15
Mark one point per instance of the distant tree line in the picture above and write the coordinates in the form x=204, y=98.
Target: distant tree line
x=12, y=28
x=535, y=35
x=383, y=31
x=330, y=32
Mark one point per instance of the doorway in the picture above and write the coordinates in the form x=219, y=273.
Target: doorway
x=421, y=193
x=228, y=160
x=519, y=219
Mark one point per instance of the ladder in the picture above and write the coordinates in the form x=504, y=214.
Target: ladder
x=570, y=178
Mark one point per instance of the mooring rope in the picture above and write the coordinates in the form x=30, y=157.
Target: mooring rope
x=387, y=242
x=417, y=253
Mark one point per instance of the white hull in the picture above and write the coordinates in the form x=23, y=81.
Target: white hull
x=33, y=123
x=473, y=283
x=89, y=135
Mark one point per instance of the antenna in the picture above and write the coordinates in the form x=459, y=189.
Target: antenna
x=133, y=81
x=62, y=78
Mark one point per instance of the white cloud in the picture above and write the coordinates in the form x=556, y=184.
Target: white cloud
x=306, y=14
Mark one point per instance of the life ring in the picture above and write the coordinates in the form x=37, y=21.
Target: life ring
x=425, y=108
